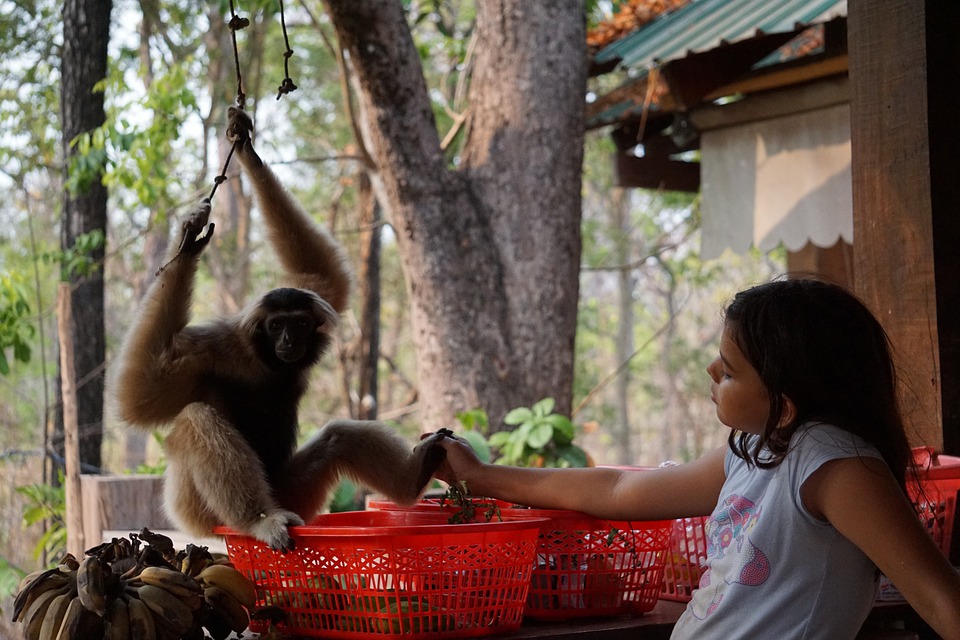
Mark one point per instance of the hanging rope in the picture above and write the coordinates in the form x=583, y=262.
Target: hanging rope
x=287, y=85
x=237, y=23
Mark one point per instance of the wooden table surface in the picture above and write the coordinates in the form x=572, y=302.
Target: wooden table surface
x=654, y=625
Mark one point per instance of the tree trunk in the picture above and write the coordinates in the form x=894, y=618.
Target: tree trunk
x=86, y=30
x=490, y=252
x=621, y=221
x=368, y=277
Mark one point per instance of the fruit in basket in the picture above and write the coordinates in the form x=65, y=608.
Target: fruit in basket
x=412, y=616
x=329, y=594
x=602, y=584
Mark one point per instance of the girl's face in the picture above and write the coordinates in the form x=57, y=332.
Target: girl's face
x=741, y=398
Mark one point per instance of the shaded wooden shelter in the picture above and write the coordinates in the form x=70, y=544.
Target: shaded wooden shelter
x=828, y=128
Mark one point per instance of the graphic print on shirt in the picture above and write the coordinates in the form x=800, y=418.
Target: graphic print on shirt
x=732, y=557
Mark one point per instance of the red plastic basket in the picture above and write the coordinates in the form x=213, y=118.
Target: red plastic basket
x=935, y=493
x=589, y=567
x=684, y=563
x=585, y=566
x=375, y=573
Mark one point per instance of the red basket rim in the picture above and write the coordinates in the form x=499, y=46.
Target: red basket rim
x=513, y=510
x=376, y=530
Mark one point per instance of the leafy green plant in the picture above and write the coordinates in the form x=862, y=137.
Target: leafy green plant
x=16, y=331
x=10, y=577
x=46, y=502
x=541, y=438
x=475, y=424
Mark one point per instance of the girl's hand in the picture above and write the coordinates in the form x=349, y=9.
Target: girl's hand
x=461, y=463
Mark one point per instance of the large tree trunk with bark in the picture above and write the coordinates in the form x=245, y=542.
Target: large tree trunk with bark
x=491, y=250
x=86, y=31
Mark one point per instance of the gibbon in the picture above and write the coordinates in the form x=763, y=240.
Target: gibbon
x=232, y=387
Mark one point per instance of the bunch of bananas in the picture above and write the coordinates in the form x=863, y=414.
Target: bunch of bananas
x=123, y=590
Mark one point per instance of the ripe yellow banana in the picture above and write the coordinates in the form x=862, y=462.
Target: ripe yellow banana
x=90, y=585
x=142, y=625
x=117, y=621
x=166, y=606
x=231, y=581
x=230, y=609
x=55, y=615
x=177, y=583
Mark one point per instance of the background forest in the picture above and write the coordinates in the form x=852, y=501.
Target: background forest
x=648, y=312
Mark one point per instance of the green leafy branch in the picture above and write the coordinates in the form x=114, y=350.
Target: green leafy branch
x=16, y=328
x=541, y=438
x=46, y=502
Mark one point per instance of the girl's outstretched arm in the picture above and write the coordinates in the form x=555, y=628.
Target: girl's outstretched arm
x=860, y=498
x=689, y=489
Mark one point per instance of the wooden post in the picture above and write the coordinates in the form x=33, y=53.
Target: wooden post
x=71, y=436
x=903, y=126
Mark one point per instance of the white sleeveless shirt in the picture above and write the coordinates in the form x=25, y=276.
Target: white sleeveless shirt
x=773, y=570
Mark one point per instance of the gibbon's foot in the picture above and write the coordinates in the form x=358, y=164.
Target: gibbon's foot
x=272, y=529
x=431, y=456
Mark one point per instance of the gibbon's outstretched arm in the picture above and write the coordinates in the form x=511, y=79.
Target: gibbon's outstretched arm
x=159, y=363
x=310, y=257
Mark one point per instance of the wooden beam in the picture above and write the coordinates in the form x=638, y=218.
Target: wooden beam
x=906, y=197
x=653, y=172
x=71, y=440
x=789, y=76
x=823, y=93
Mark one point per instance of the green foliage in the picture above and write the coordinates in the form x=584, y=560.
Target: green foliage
x=16, y=329
x=136, y=157
x=78, y=260
x=10, y=577
x=541, y=438
x=346, y=496
x=475, y=425
x=46, y=503
x=154, y=469
x=29, y=86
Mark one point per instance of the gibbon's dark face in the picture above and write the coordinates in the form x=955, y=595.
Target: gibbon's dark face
x=290, y=327
x=293, y=334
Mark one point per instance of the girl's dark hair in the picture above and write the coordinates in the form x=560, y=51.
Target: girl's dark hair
x=817, y=344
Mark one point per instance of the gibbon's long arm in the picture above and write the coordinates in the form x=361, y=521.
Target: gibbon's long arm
x=309, y=256
x=161, y=359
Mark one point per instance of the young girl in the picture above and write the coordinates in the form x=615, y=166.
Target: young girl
x=806, y=502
